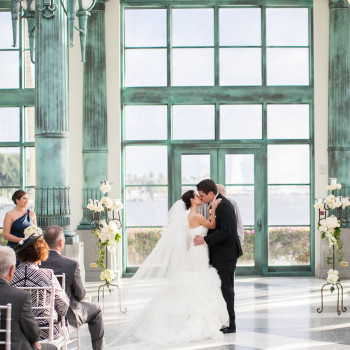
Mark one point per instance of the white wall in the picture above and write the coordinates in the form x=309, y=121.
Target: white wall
x=113, y=93
x=321, y=56
x=76, y=130
x=113, y=101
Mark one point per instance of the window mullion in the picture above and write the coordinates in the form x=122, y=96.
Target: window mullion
x=216, y=47
x=263, y=44
x=169, y=47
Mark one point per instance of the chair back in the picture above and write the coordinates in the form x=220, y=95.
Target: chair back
x=43, y=300
x=7, y=330
x=62, y=279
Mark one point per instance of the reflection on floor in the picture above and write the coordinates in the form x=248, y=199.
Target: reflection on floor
x=272, y=313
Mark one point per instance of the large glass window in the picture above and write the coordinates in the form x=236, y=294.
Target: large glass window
x=17, y=152
x=211, y=76
x=287, y=39
x=146, y=197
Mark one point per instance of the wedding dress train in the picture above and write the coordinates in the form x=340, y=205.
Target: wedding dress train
x=189, y=308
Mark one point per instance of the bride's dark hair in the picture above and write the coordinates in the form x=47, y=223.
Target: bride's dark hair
x=186, y=197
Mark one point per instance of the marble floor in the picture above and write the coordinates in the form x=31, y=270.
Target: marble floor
x=271, y=313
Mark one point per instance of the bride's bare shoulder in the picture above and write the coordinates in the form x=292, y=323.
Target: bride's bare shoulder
x=194, y=220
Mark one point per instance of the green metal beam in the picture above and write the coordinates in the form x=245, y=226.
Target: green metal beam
x=240, y=3
x=221, y=94
x=5, y=5
x=17, y=97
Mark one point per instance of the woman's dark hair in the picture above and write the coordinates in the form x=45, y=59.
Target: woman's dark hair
x=18, y=195
x=38, y=251
x=207, y=186
x=186, y=197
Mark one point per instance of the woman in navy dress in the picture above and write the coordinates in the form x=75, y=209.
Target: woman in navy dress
x=18, y=219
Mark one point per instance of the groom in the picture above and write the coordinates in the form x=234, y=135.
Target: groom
x=224, y=245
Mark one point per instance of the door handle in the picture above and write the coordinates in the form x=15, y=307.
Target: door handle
x=259, y=224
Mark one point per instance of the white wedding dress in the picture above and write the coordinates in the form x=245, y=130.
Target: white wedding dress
x=189, y=308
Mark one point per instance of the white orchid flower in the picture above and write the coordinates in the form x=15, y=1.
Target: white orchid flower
x=107, y=202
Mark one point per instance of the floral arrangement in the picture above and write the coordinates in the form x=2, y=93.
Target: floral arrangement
x=32, y=230
x=333, y=186
x=108, y=276
x=108, y=236
x=333, y=278
x=330, y=228
x=107, y=230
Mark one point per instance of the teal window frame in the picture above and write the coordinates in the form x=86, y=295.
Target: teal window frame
x=217, y=95
x=20, y=98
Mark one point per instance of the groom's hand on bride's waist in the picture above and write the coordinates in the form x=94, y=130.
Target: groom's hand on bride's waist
x=198, y=240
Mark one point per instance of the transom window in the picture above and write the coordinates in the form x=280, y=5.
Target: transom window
x=210, y=46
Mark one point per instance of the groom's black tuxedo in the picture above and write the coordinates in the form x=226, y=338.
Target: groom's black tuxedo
x=224, y=250
x=223, y=241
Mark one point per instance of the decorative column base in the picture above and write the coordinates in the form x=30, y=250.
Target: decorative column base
x=52, y=208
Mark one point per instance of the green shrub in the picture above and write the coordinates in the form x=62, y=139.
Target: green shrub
x=287, y=245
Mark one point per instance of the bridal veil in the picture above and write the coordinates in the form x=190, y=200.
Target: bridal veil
x=154, y=274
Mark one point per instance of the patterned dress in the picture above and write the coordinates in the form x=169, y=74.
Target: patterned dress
x=29, y=275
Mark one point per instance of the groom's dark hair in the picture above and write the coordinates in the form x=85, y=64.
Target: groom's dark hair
x=207, y=186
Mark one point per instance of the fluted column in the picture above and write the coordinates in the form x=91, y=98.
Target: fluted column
x=339, y=92
x=95, y=149
x=52, y=203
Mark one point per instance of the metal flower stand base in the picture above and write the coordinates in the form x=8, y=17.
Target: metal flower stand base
x=339, y=290
x=106, y=285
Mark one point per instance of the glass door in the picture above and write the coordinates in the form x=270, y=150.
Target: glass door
x=191, y=166
x=240, y=171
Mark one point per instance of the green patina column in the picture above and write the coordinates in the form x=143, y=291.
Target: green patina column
x=95, y=148
x=52, y=202
x=339, y=92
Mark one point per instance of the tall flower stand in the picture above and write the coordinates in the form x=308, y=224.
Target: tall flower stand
x=332, y=215
x=106, y=223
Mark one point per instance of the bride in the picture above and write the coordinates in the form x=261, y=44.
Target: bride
x=186, y=303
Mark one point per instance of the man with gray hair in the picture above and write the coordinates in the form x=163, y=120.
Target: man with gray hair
x=203, y=209
x=79, y=311
x=24, y=329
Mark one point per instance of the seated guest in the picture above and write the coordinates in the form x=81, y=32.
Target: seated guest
x=30, y=252
x=24, y=329
x=79, y=312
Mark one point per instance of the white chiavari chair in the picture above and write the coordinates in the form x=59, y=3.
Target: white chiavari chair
x=62, y=279
x=43, y=300
x=7, y=329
